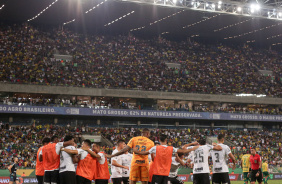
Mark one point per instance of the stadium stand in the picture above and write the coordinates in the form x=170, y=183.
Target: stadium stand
x=127, y=62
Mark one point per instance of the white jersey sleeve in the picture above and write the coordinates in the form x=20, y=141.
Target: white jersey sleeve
x=82, y=154
x=149, y=157
x=191, y=156
x=59, y=145
x=174, y=150
x=153, y=150
x=102, y=159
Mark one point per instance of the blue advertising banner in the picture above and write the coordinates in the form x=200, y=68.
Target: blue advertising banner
x=137, y=113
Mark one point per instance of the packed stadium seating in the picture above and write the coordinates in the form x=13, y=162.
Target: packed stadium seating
x=23, y=141
x=127, y=62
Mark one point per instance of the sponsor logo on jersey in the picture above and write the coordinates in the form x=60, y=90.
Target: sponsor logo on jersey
x=140, y=161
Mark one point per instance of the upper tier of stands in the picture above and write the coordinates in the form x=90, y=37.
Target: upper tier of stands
x=127, y=62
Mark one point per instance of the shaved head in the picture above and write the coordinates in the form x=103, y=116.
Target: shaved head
x=146, y=132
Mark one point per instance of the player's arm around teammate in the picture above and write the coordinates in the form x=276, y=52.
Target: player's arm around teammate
x=190, y=144
x=65, y=144
x=179, y=160
x=183, y=151
x=87, y=149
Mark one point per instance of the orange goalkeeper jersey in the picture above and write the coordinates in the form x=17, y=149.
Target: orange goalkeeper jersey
x=142, y=144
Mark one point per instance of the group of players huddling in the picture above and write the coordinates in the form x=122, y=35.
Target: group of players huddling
x=62, y=163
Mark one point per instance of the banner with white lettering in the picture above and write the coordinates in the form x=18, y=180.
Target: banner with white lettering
x=137, y=113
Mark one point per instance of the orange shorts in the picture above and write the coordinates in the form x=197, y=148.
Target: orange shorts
x=139, y=173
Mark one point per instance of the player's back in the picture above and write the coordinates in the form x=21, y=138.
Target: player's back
x=246, y=162
x=201, y=163
x=264, y=167
x=219, y=159
x=141, y=144
x=66, y=163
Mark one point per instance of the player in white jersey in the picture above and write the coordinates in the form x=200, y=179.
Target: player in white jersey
x=126, y=161
x=177, y=161
x=190, y=159
x=116, y=164
x=201, y=164
x=67, y=168
x=220, y=168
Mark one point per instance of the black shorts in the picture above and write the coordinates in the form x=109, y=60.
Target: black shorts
x=175, y=180
x=201, y=178
x=158, y=179
x=254, y=178
x=82, y=180
x=51, y=177
x=117, y=180
x=13, y=177
x=101, y=181
x=125, y=180
x=39, y=179
x=218, y=178
x=67, y=177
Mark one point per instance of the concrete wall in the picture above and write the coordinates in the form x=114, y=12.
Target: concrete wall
x=22, y=88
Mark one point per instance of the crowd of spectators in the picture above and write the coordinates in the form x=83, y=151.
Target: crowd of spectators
x=24, y=141
x=127, y=62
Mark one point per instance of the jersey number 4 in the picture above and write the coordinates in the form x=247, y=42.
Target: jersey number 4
x=143, y=148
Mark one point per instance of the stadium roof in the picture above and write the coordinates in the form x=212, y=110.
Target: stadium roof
x=119, y=17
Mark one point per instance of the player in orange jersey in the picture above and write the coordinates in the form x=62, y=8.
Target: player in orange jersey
x=139, y=170
x=39, y=170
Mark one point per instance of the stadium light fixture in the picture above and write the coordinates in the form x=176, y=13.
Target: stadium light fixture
x=253, y=31
x=121, y=17
x=255, y=7
x=232, y=25
x=96, y=6
x=42, y=11
x=69, y=22
x=190, y=25
x=152, y=23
